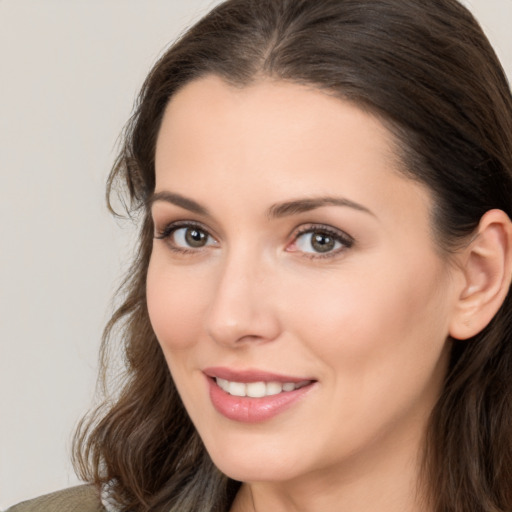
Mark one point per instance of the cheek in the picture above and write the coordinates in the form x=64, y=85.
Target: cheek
x=381, y=348
x=175, y=304
x=368, y=317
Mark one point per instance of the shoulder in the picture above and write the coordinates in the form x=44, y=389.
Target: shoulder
x=83, y=498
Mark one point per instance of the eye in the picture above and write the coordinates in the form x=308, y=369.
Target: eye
x=190, y=237
x=320, y=241
x=186, y=237
x=317, y=241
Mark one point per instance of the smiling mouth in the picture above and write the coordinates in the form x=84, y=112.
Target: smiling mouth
x=258, y=389
x=252, y=395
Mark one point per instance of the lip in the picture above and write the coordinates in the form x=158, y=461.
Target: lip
x=251, y=375
x=253, y=410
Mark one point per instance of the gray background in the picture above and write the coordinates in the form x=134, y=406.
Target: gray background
x=69, y=73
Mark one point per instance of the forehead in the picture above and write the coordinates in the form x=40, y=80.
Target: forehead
x=265, y=116
x=265, y=101
x=272, y=141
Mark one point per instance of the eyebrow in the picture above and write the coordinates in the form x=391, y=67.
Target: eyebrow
x=305, y=205
x=178, y=200
x=275, y=211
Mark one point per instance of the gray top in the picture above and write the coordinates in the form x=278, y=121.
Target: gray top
x=83, y=498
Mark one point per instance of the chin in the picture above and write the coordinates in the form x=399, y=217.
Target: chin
x=255, y=465
x=254, y=472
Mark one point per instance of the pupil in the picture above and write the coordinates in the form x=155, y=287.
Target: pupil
x=322, y=242
x=195, y=237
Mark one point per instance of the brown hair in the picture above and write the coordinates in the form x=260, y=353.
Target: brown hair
x=425, y=68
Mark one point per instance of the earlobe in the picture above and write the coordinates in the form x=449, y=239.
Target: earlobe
x=486, y=265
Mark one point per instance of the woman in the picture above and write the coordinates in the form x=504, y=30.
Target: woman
x=318, y=317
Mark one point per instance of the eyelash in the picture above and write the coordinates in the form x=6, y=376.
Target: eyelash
x=344, y=239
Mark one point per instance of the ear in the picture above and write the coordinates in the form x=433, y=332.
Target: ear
x=486, y=266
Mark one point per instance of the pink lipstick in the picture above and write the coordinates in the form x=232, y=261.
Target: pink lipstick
x=254, y=396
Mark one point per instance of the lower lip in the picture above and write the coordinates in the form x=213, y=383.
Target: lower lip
x=253, y=410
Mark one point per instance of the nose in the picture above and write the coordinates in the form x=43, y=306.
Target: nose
x=242, y=309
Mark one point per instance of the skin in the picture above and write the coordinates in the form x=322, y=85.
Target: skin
x=368, y=321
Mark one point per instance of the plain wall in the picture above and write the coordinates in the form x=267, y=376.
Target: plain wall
x=69, y=74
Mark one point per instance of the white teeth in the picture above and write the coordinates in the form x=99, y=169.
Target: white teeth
x=223, y=383
x=274, y=388
x=257, y=389
x=237, y=389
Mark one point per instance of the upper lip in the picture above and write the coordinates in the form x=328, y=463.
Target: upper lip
x=250, y=375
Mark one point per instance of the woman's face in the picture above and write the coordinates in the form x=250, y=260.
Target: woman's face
x=293, y=263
